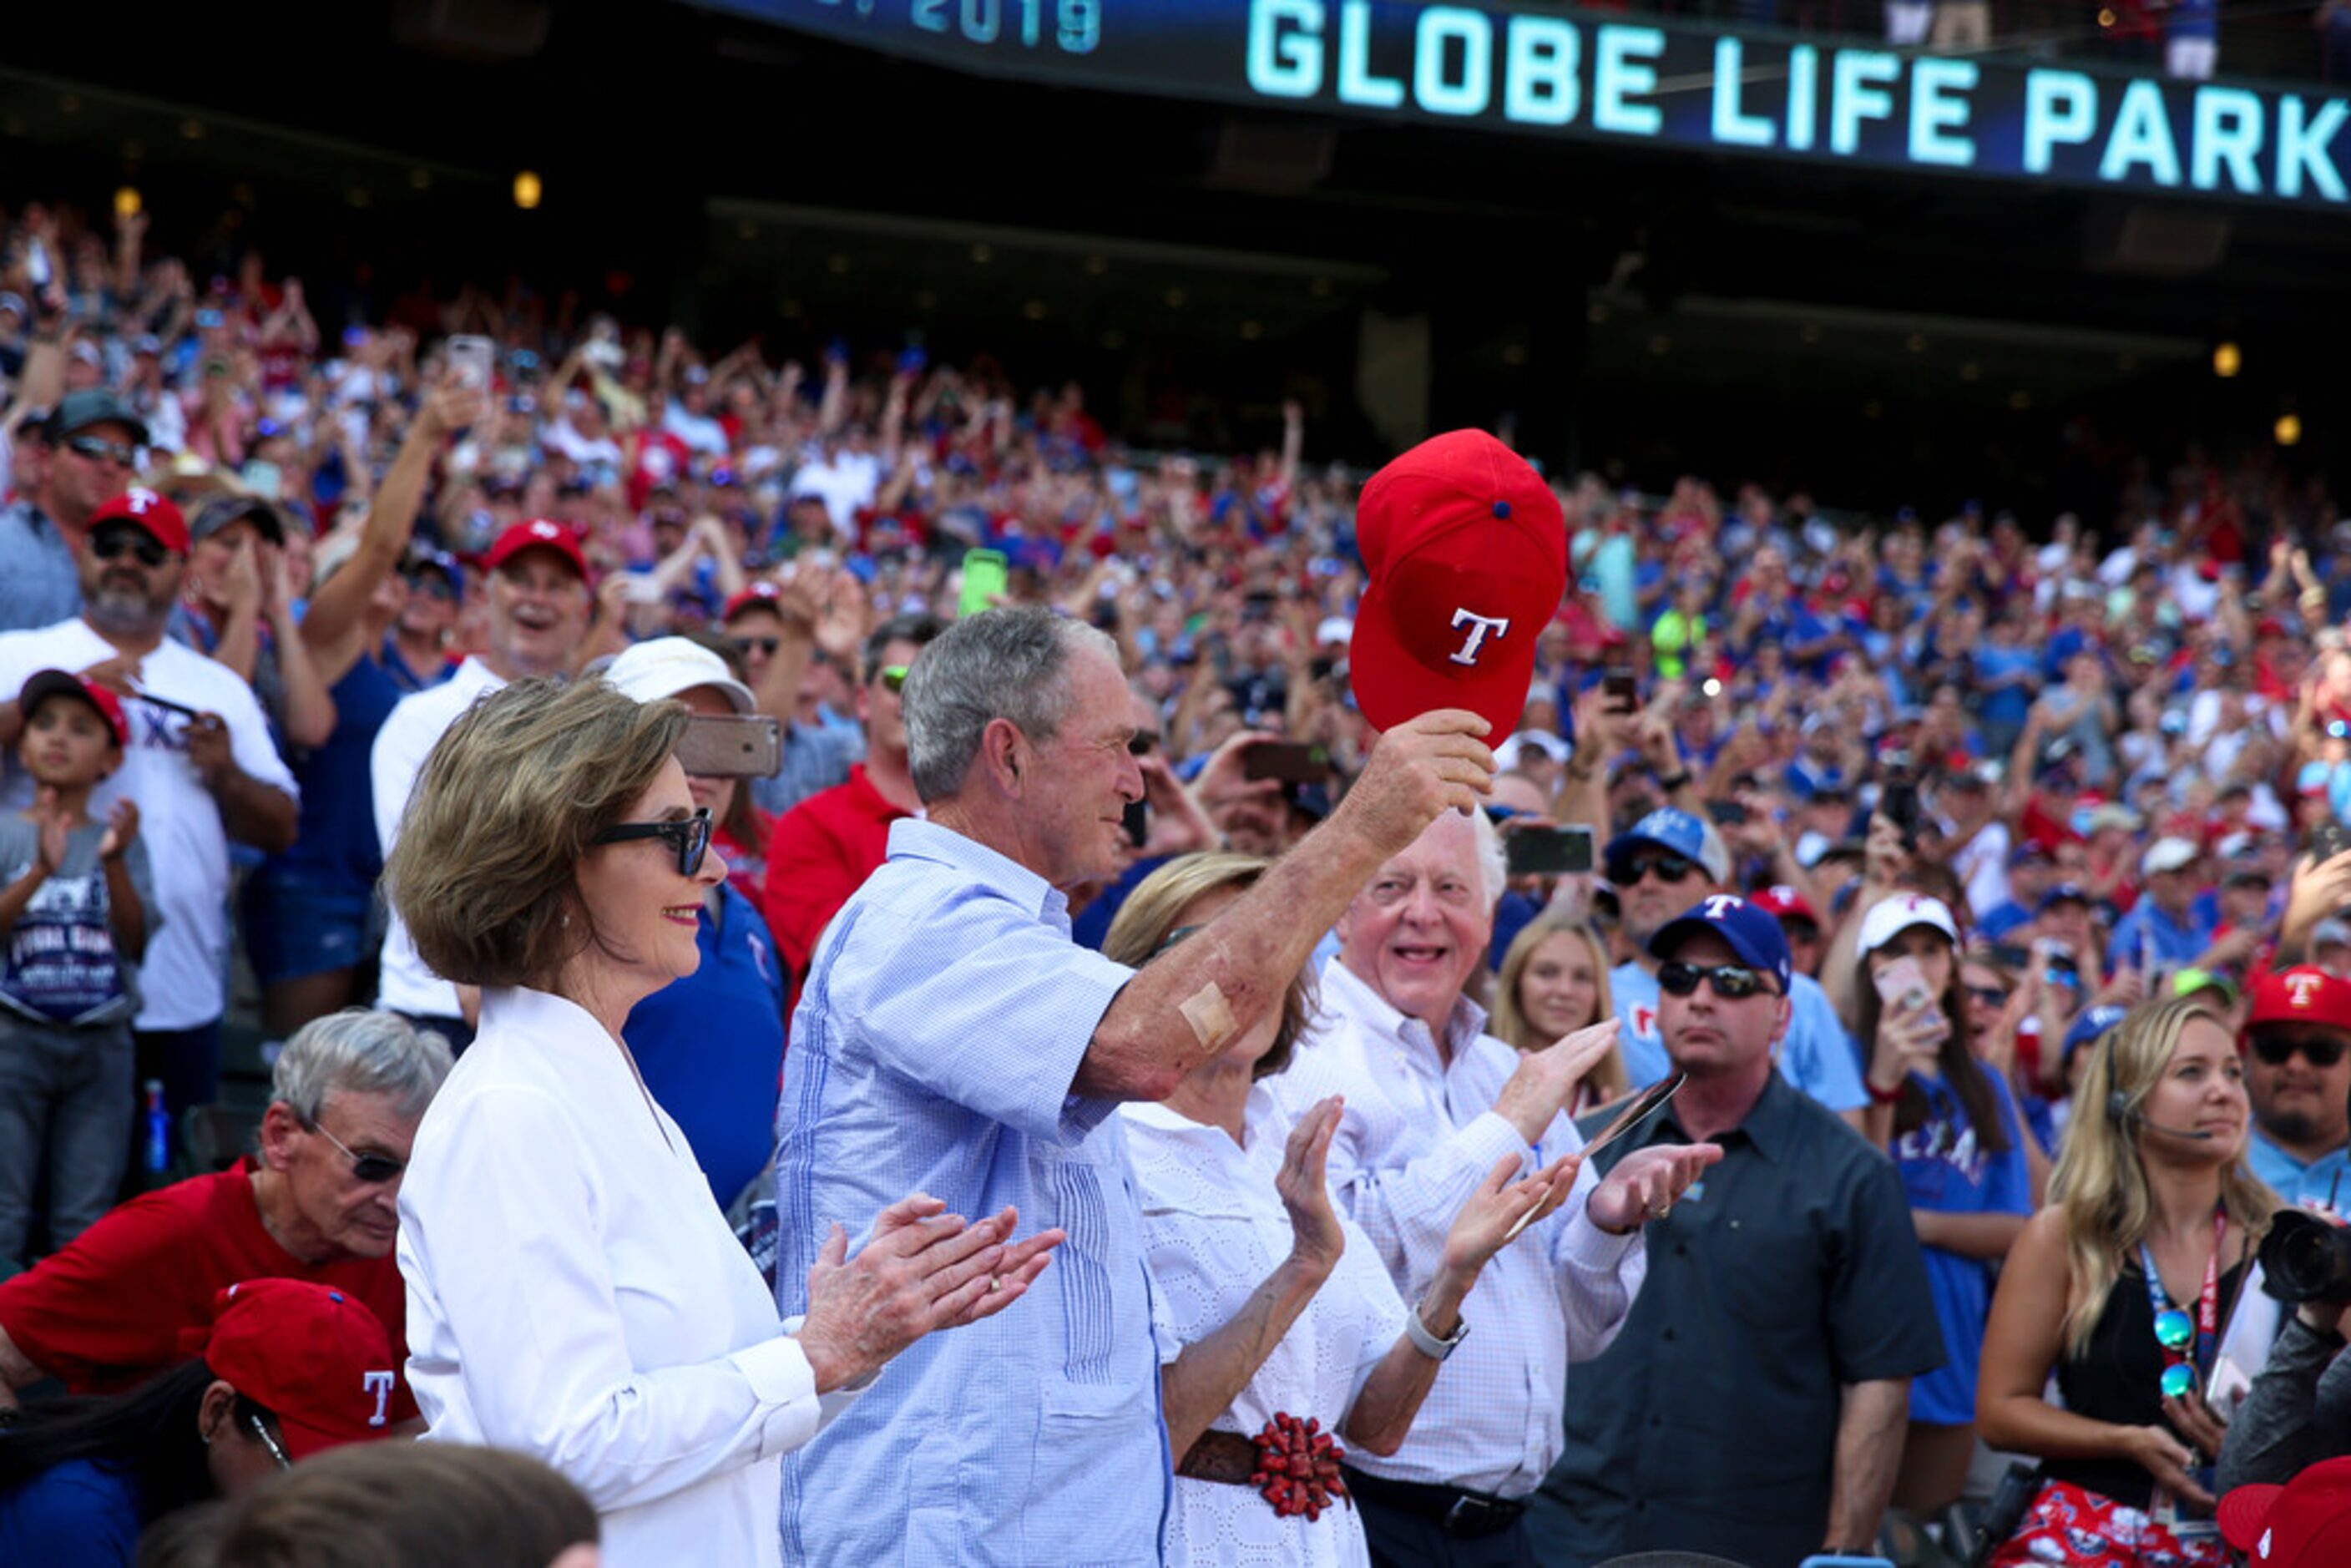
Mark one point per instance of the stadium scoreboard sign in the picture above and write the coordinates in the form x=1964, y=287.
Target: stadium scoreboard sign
x=1613, y=76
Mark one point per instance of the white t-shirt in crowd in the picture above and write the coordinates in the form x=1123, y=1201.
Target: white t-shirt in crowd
x=407, y=738
x=184, y=978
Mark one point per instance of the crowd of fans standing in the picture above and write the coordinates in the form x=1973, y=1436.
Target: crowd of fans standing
x=254, y=567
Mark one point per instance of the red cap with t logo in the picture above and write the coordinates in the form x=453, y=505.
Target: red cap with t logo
x=310, y=1355
x=1467, y=551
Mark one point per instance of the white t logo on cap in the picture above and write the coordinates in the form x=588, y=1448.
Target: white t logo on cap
x=2302, y=985
x=542, y=530
x=380, y=1385
x=1719, y=905
x=1479, y=626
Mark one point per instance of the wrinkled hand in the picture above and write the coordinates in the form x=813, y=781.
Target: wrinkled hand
x=2161, y=1454
x=1646, y=1182
x=122, y=829
x=1544, y=1080
x=1316, y=1239
x=1500, y=1210
x=208, y=748
x=1417, y=770
x=924, y=1270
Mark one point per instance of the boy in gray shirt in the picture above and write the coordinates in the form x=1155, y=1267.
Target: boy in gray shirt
x=75, y=895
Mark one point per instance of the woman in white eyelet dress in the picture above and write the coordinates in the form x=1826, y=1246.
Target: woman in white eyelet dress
x=1265, y=1300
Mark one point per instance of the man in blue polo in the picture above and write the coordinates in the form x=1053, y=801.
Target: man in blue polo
x=1659, y=866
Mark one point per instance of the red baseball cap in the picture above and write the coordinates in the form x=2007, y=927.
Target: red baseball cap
x=1784, y=902
x=311, y=1355
x=2303, y=994
x=536, y=533
x=761, y=593
x=1467, y=551
x=2305, y=1523
x=47, y=683
x=153, y=513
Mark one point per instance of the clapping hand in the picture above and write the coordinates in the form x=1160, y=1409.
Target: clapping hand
x=1646, y=1182
x=1316, y=1238
x=122, y=829
x=1501, y=1208
x=1544, y=1080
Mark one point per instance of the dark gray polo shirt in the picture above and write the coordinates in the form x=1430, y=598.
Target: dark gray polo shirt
x=39, y=584
x=1789, y=1271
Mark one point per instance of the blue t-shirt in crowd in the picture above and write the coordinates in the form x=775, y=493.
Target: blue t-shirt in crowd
x=2320, y=1181
x=80, y=1514
x=711, y=1046
x=1945, y=1170
x=2147, y=932
x=2004, y=704
x=337, y=838
x=1817, y=1056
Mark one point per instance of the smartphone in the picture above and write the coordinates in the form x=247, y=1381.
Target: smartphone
x=1547, y=851
x=1622, y=689
x=985, y=579
x=1137, y=820
x=724, y=746
x=2010, y=956
x=1899, y=801
x=1292, y=762
x=1727, y=813
x=1902, y=985
x=472, y=360
x=2329, y=840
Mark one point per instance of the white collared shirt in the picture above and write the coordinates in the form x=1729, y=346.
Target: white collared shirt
x=409, y=732
x=574, y=1294
x=1216, y=1228
x=1418, y=1134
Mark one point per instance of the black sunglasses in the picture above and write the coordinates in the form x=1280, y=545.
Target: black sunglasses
x=1671, y=870
x=433, y=585
x=97, y=449
x=689, y=836
x=767, y=645
x=373, y=1170
x=113, y=542
x=1731, y=982
x=1989, y=995
x=2276, y=1050
x=1142, y=745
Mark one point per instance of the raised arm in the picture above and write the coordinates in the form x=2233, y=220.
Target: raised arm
x=1195, y=1000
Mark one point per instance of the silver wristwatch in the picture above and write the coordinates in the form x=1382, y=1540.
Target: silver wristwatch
x=1427, y=1341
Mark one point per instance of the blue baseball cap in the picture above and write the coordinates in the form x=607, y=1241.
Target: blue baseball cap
x=2064, y=892
x=1753, y=932
x=2093, y=1022
x=1678, y=832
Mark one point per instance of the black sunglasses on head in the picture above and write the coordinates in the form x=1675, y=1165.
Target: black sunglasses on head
x=1671, y=870
x=2276, y=1050
x=689, y=836
x=1731, y=982
x=111, y=544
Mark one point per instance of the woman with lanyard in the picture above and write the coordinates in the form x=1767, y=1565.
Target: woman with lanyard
x=2122, y=1286
x=1271, y=1310
x=1952, y=1130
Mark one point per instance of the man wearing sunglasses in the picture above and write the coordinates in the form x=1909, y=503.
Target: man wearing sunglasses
x=200, y=765
x=1753, y=1406
x=316, y=1203
x=1659, y=867
x=2297, y=1033
x=87, y=452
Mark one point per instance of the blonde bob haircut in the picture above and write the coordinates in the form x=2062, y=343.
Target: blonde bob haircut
x=1146, y=923
x=2099, y=1184
x=1609, y=1080
x=486, y=870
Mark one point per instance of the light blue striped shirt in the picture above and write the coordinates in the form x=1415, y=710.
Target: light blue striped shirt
x=943, y=1020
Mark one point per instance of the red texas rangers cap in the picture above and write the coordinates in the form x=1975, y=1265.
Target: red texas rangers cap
x=312, y=1356
x=539, y=533
x=47, y=684
x=155, y=515
x=1467, y=554
x=2302, y=995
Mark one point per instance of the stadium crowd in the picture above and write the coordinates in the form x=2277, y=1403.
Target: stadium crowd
x=1979, y=879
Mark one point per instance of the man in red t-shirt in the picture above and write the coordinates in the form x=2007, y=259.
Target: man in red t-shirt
x=825, y=847
x=317, y=1203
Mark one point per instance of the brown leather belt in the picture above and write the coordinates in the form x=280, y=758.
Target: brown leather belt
x=1224, y=1457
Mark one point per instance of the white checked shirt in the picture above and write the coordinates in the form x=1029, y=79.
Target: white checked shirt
x=1417, y=1136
